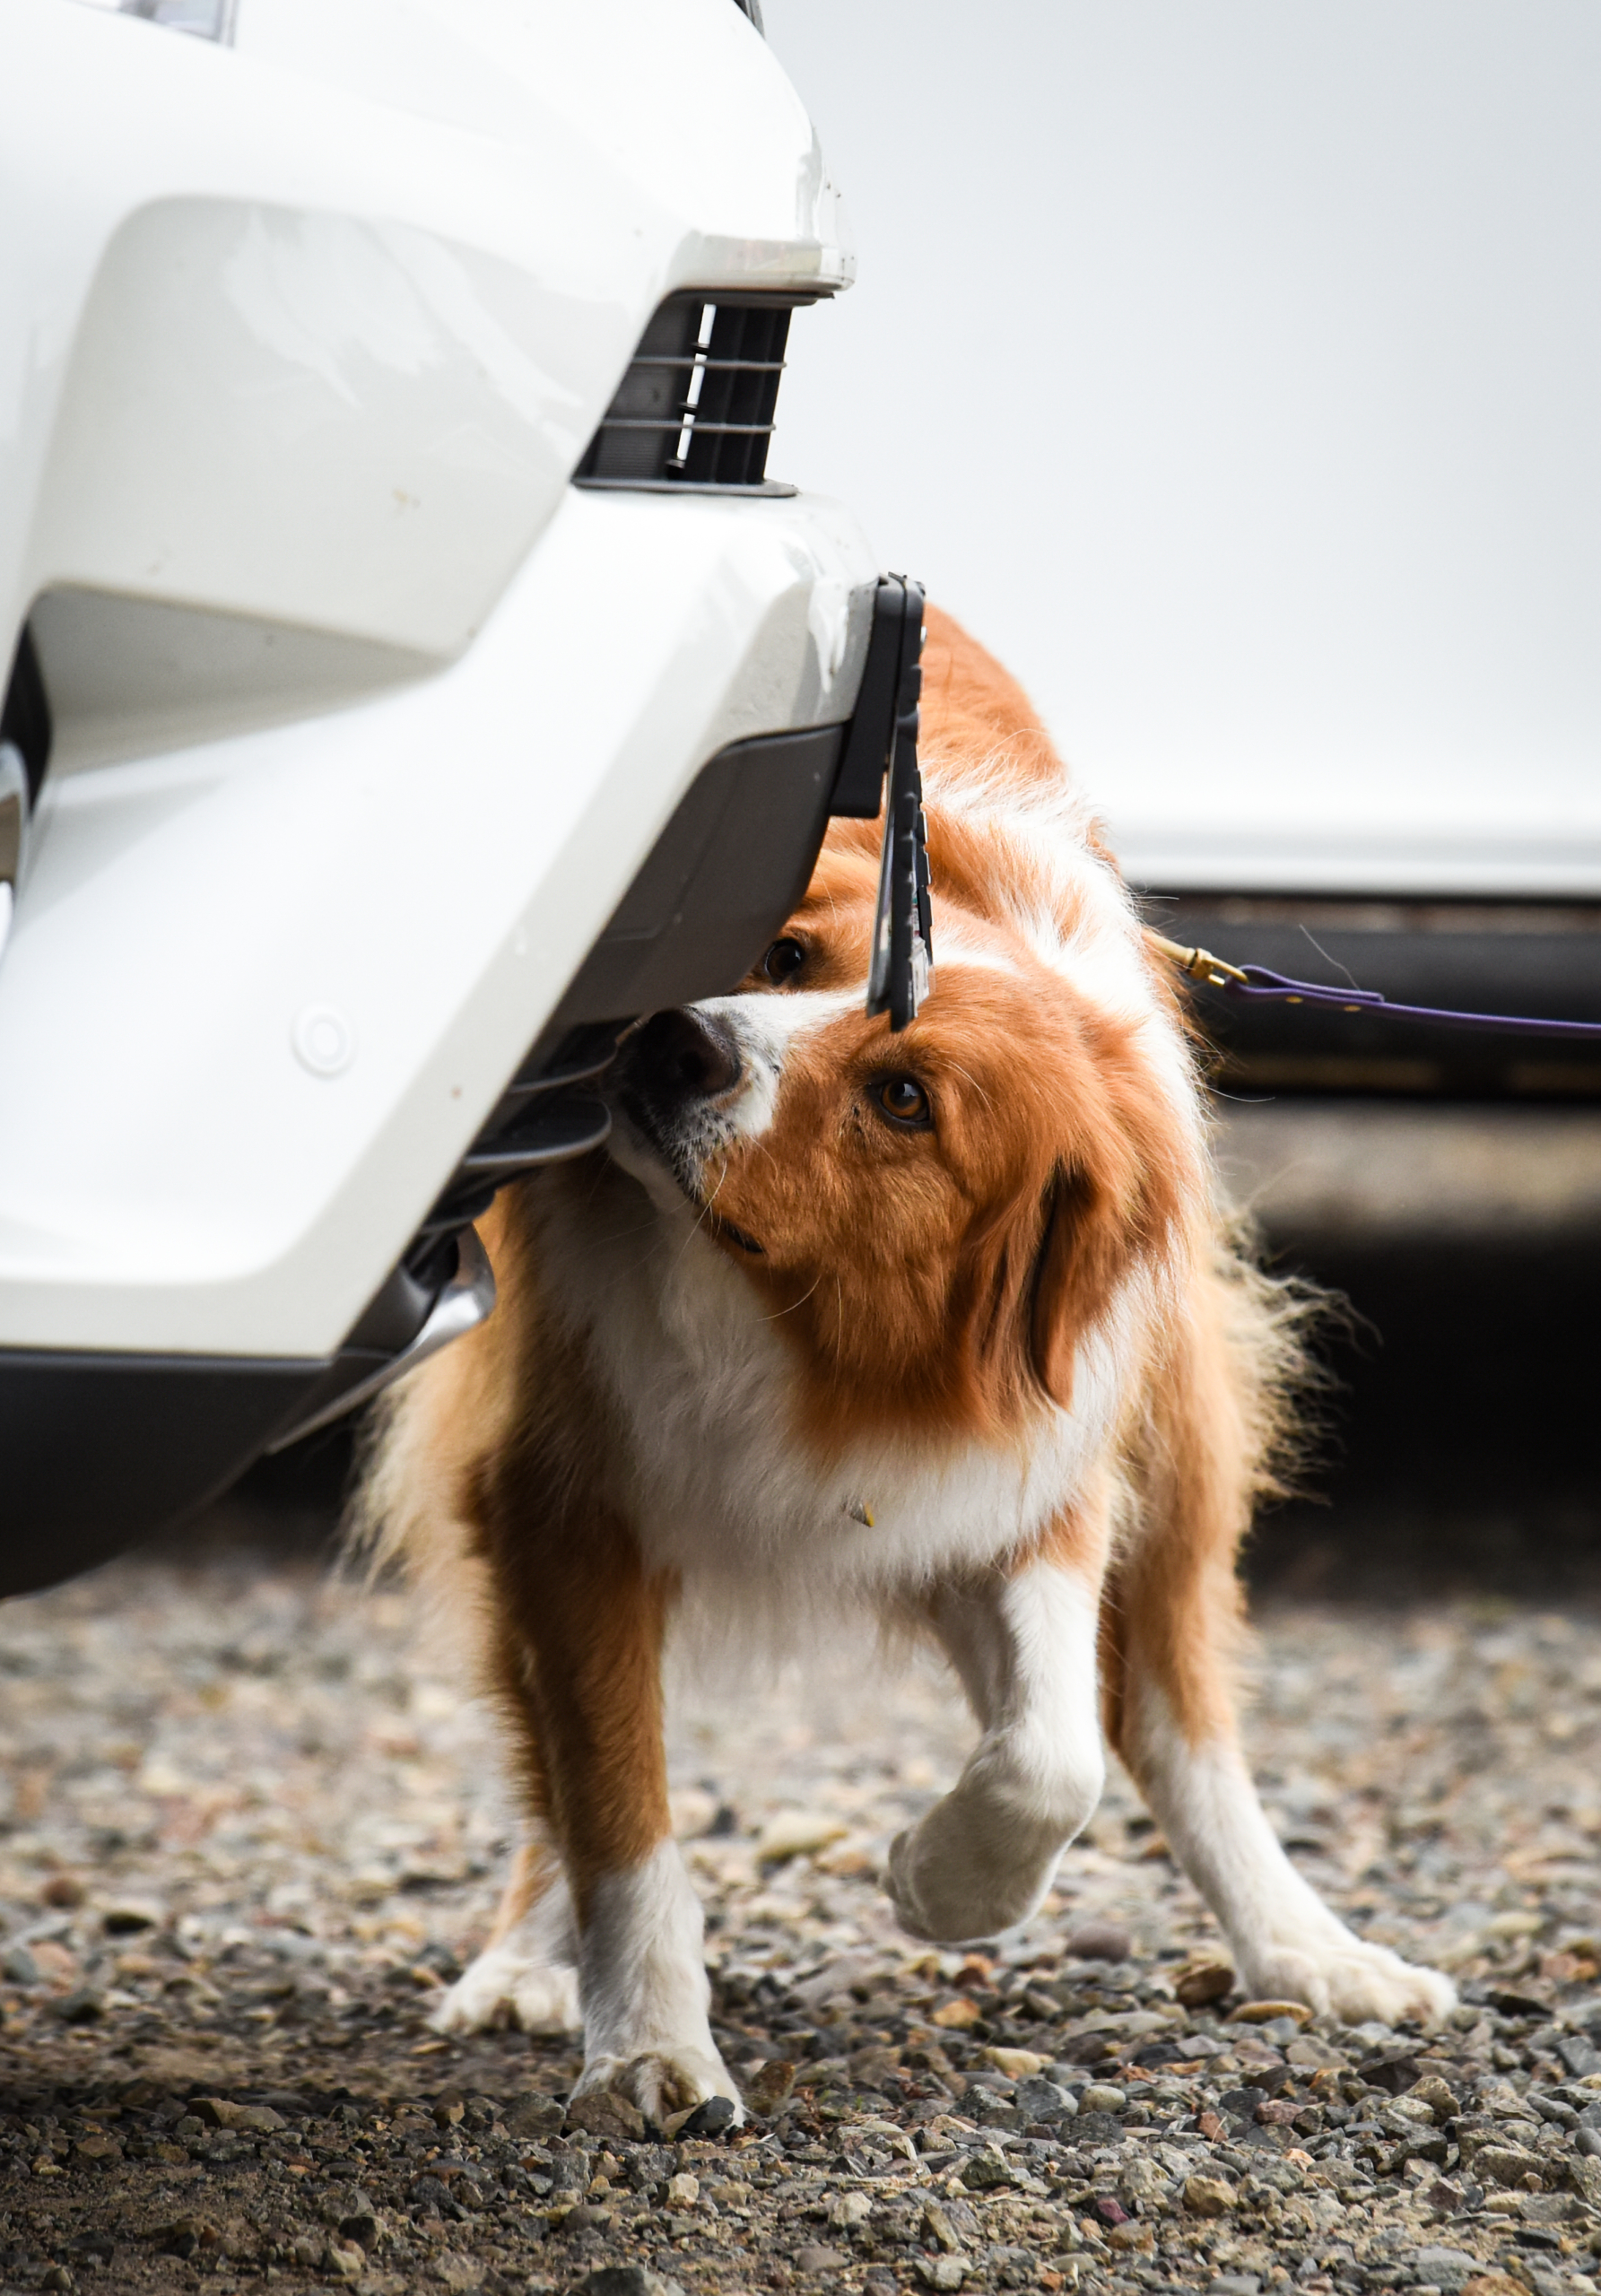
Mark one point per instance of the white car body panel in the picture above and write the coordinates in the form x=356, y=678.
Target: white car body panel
x=1260, y=360
x=301, y=355
x=365, y=717
x=425, y=870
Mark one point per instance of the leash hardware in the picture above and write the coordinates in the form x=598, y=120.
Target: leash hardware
x=1197, y=964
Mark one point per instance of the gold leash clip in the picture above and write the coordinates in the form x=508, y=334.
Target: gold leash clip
x=1197, y=964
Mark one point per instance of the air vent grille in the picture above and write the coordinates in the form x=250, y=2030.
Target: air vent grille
x=696, y=407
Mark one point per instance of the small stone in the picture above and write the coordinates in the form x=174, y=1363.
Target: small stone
x=710, y=2117
x=1132, y=2238
x=944, y=2272
x=253, y=2120
x=768, y=2091
x=1494, y=2283
x=1202, y=1981
x=986, y=2171
x=83, y=2007
x=529, y=2114
x=1267, y=2012
x=795, y=1833
x=1102, y=2097
x=1505, y=2164
x=938, y=2228
x=588, y=2216
x=626, y=2280
x=18, y=1966
x=683, y=2190
x=344, y=2259
x=1017, y=2064
x=813, y=2258
x=1209, y=2196
x=452, y=2269
x=601, y=2112
x=189, y=2234
x=1318, y=2055
x=850, y=2209
x=63, y=1890
x=1044, y=2100
x=1447, y=2269
x=693, y=1811
x=125, y=1916
x=1100, y=1941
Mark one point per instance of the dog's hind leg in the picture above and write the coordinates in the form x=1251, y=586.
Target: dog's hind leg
x=1170, y=1628
x=528, y=1973
x=1023, y=1645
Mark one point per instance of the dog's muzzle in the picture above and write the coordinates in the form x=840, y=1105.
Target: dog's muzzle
x=671, y=1075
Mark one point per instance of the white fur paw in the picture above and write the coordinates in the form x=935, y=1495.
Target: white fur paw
x=945, y=1888
x=1352, y=1981
x=664, y=2081
x=505, y=1987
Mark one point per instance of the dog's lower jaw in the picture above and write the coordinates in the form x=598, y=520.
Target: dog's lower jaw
x=642, y=1981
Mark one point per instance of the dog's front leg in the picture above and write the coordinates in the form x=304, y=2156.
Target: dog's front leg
x=585, y=1670
x=1025, y=1647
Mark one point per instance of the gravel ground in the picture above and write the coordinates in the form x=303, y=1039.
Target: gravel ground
x=249, y=1833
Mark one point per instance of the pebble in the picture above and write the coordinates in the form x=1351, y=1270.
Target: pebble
x=301, y=1809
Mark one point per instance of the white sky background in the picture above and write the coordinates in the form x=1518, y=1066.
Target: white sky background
x=1233, y=368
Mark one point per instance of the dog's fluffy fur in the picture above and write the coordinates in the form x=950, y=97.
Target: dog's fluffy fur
x=944, y=1328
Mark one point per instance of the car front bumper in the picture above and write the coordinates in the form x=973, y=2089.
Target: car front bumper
x=262, y=992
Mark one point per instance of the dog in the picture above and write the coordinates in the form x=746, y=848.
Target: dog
x=947, y=1330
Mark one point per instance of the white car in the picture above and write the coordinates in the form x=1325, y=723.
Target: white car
x=1258, y=358
x=415, y=674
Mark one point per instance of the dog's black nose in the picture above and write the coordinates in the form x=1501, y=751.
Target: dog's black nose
x=682, y=1056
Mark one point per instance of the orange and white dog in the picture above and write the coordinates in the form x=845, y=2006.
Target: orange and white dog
x=944, y=1328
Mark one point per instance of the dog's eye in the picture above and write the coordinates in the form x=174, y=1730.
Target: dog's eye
x=783, y=959
x=904, y=1101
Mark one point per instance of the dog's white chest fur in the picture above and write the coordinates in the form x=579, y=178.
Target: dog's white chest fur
x=718, y=1485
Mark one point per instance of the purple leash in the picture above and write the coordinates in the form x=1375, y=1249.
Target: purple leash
x=1256, y=985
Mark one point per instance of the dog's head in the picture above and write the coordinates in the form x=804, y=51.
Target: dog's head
x=936, y=1220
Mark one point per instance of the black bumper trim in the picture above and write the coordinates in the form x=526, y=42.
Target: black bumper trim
x=101, y=1451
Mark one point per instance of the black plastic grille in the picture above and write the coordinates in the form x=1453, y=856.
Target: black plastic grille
x=696, y=406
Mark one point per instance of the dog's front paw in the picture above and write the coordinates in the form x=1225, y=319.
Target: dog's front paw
x=945, y=1888
x=1343, y=1978
x=662, y=2082
x=505, y=1987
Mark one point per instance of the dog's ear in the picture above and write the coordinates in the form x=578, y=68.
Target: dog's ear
x=1087, y=1243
